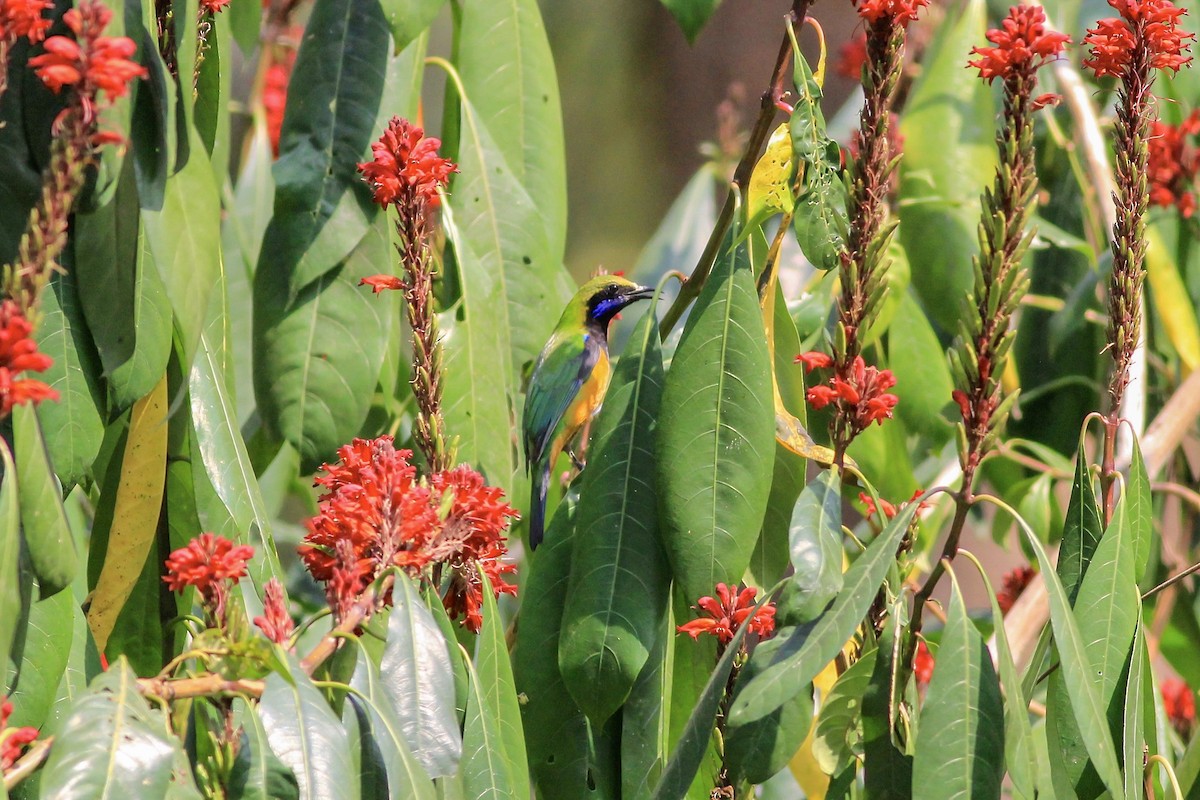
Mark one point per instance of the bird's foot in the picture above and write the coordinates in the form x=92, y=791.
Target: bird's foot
x=579, y=465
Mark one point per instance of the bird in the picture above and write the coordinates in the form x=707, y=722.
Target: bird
x=568, y=383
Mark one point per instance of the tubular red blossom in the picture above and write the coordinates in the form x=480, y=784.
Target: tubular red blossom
x=728, y=612
x=901, y=11
x=1174, y=164
x=923, y=665
x=214, y=6
x=888, y=509
x=814, y=359
x=820, y=396
x=206, y=561
x=1180, y=704
x=863, y=396
x=276, y=623
x=23, y=18
x=1144, y=24
x=851, y=57
x=18, y=353
x=1022, y=44
x=274, y=96
x=379, y=283
x=406, y=167
x=1015, y=582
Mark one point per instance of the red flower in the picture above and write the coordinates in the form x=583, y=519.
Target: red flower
x=851, y=57
x=1148, y=25
x=91, y=62
x=1022, y=44
x=814, y=359
x=1015, y=582
x=23, y=18
x=1180, y=704
x=728, y=612
x=888, y=509
x=18, y=353
x=275, y=622
x=1173, y=164
x=212, y=564
x=406, y=168
x=213, y=6
x=12, y=740
x=862, y=394
x=820, y=396
x=274, y=96
x=901, y=12
x=378, y=283
x=923, y=665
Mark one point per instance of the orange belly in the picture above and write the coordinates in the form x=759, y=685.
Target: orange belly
x=587, y=403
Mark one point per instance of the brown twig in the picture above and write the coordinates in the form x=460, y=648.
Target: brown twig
x=29, y=762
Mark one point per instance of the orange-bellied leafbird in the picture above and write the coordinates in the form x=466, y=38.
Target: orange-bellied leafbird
x=569, y=381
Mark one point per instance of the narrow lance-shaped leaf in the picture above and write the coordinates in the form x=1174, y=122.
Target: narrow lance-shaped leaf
x=494, y=672
x=44, y=524
x=838, y=734
x=486, y=772
x=716, y=440
x=1139, y=515
x=10, y=555
x=620, y=581
x=960, y=747
x=815, y=549
x=887, y=765
x=1082, y=530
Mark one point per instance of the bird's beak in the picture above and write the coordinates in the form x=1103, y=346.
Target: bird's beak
x=641, y=293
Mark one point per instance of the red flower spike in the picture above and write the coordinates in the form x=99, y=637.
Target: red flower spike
x=1145, y=24
x=206, y=562
x=728, y=612
x=276, y=623
x=406, y=167
x=1015, y=582
x=862, y=394
x=23, y=18
x=923, y=665
x=18, y=353
x=1173, y=164
x=379, y=283
x=902, y=12
x=1022, y=44
x=1179, y=702
x=214, y=6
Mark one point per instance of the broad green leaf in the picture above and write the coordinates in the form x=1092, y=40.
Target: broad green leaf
x=960, y=747
x=1081, y=531
x=716, y=441
x=418, y=683
x=48, y=638
x=408, y=19
x=949, y=157
x=11, y=617
x=405, y=774
x=620, y=581
x=923, y=381
x=691, y=14
x=808, y=649
x=213, y=87
x=73, y=427
x=322, y=207
x=486, y=771
x=47, y=535
x=316, y=360
x=507, y=71
x=307, y=736
x=367, y=751
x=114, y=745
x=771, y=557
x=1075, y=667
x=1139, y=515
x=122, y=295
x=479, y=383
x=257, y=773
x=138, y=503
x=646, y=719
x=691, y=664
x=756, y=751
x=815, y=548
x=838, y=736
x=184, y=239
x=226, y=463
x=496, y=688
x=887, y=764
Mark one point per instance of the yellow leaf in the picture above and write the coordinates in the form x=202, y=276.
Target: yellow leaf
x=803, y=765
x=135, y=514
x=1172, y=301
x=770, y=190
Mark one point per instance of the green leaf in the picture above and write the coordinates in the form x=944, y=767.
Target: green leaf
x=820, y=219
x=808, y=649
x=1133, y=732
x=620, y=581
x=73, y=427
x=496, y=687
x=1139, y=515
x=771, y=558
x=317, y=359
x=486, y=771
x=226, y=463
x=408, y=19
x=257, y=772
x=691, y=14
x=645, y=720
x=405, y=774
x=960, y=748
x=691, y=664
x=307, y=736
x=418, y=683
x=479, y=384
x=47, y=535
x=113, y=745
x=322, y=207
x=923, y=381
x=716, y=441
x=507, y=71
x=1076, y=671
x=815, y=546
x=11, y=617
x=184, y=241
x=949, y=157
x=756, y=751
x=1081, y=531
x=48, y=638
x=838, y=736
x=887, y=764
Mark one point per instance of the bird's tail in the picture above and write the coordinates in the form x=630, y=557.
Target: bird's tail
x=537, y=507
